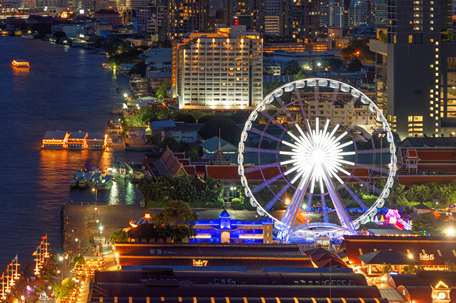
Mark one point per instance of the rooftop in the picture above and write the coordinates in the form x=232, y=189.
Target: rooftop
x=55, y=135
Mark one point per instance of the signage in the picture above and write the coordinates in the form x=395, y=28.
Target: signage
x=200, y=262
x=426, y=257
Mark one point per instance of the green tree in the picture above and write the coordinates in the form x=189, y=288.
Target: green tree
x=292, y=68
x=450, y=266
x=271, y=86
x=162, y=91
x=237, y=204
x=177, y=219
x=359, y=49
x=118, y=236
x=63, y=291
x=333, y=63
x=386, y=268
x=240, y=116
x=229, y=130
x=426, y=224
x=419, y=193
x=355, y=65
x=300, y=75
x=382, y=37
x=139, y=68
x=184, y=118
x=410, y=268
x=79, y=260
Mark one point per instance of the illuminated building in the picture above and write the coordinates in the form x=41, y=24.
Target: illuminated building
x=55, y=140
x=77, y=140
x=185, y=17
x=416, y=82
x=303, y=19
x=296, y=47
x=151, y=19
x=96, y=141
x=430, y=253
x=219, y=71
x=108, y=16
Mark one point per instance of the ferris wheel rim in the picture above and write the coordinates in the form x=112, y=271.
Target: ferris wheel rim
x=372, y=210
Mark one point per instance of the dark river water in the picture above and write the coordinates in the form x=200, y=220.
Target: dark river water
x=65, y=89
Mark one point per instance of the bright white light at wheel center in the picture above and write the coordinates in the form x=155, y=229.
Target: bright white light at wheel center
x=318, y=156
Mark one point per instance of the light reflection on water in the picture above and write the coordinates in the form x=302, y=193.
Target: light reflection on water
x=65, y=89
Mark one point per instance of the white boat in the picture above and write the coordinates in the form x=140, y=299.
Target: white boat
x=105, y=183
x=85, y=180
x=95, y=178
x=74, y=182
x=28, y=36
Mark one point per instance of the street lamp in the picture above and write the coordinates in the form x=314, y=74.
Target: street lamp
x=410, y=256
x=101, y=229
x=450, y=231
x=381, y=136
x=96, y=195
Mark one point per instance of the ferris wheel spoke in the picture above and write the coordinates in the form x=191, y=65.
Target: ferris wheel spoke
x=264, y=134
x=357, y=199
x=260, y=167
x=376, y=169
x=259, y=150
x=301, y=104
x=323, y=209
x=371, y=187
x=374, y=151
x=266, y=184
x=285, y=109
x=289, y=217
x=274, y=121
x=276, y=198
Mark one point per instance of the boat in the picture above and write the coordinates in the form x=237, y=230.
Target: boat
x=102, y=53
x=84, y=181
x=95, y=178
x=20, y=63
x=74, y=182
x=28, y=36
x=17, y=33
x=105, y=65
x=105, y=183
x=5, y=32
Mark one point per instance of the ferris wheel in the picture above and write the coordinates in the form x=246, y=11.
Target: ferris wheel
x=309, y=143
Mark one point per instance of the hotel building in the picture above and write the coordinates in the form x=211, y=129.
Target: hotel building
x=416, y=69
x=219, y=71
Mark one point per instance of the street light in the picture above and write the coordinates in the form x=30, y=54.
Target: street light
x=381, y=136
x=96, y=195
x=450, y=231
x=101, y=229
x=410, y=256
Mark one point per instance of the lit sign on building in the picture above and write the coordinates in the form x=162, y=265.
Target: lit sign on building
x=426, y=257
x=200, y=262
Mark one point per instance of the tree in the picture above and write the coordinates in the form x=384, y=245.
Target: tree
x=410, y=268
x=355, y=65
x=426, y=224
x=420, y=193
x=79, y=260
x=63, y=291
x=118, y=236
x=334, y=63
x=206, y=118
x=184, y=118
x=300, y=75
x=357, y=48
x=177, y=219
x=237, y=203
x=291, y=68
x=386, y=268
x=271, y=86
x=239, y=117
x=162, y=91
x=450, y=266
x=139, y=68
x=382, y=37
x=229, y=130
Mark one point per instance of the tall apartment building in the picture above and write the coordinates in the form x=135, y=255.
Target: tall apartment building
x=380, y=14
x=185, y=16
x=273, y=23
x=303, y=19
x=133, y=4
x=151, y=19
x=416, y=69
x=360, y=13
x=219, y=71
x=214, y=6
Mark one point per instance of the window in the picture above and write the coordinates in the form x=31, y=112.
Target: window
x=410, y=39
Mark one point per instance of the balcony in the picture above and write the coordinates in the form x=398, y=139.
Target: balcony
x=377, y=47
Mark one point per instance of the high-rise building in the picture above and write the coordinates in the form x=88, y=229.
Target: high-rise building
x=416, y=68
x=380, y=14
x=359, y=13
x=274, y=17
x=219, y=71
x=214, y=7
x=303, y=19
x=185, y=16
x=133, y=4
x=151, y=19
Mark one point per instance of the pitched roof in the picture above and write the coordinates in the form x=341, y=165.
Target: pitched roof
x=156, y=125
x=95, y=136
x=55, y=135
x=392, y=257
x=212, y=145
x=230, y=172
x=418, y=294
x=143, y=231
x=168, y=164
x=77, y=135
x=429, y=142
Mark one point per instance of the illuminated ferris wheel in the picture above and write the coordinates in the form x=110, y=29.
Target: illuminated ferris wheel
x=310, y=141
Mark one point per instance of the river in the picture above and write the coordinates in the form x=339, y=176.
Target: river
x=64, y=89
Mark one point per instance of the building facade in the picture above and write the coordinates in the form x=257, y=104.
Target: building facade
x=303, y=19
x=219, y=71
x=151, y=19
x=185, y=17
x=415, y=69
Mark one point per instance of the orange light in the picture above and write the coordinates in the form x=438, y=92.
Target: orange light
x=147, y=216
